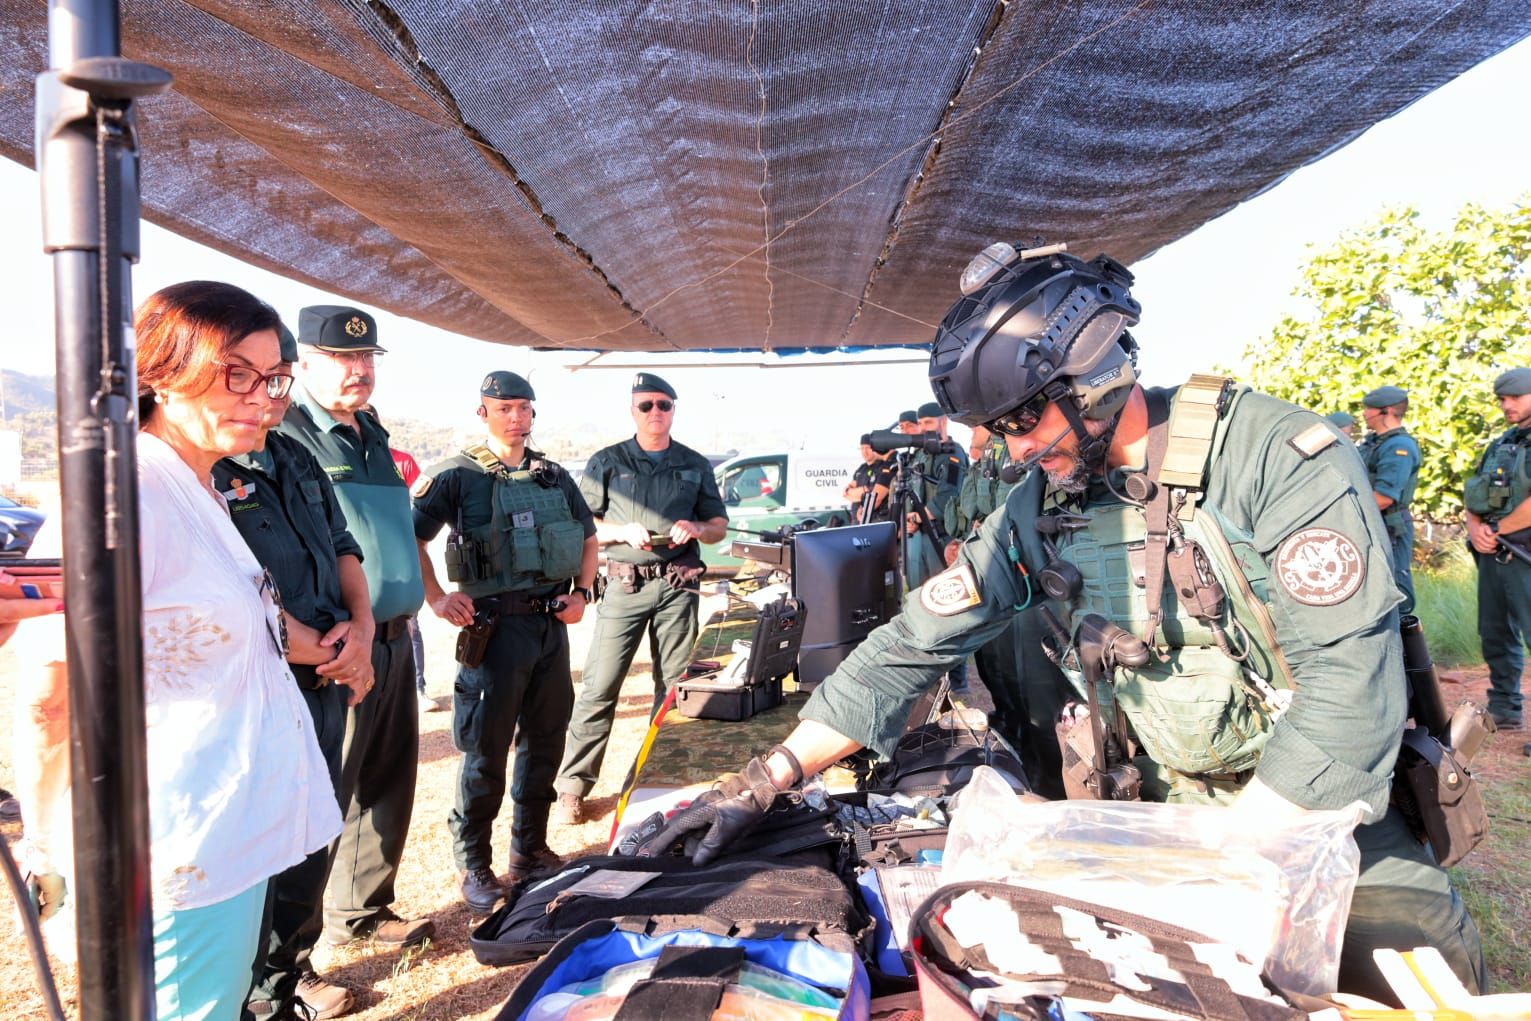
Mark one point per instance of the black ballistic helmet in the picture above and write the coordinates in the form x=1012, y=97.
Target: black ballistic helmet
x=1051, y=323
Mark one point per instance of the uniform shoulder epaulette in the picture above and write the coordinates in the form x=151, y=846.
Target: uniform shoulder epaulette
x=1313, y=440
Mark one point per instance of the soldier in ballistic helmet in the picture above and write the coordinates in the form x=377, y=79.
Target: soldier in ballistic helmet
x=1498, y=501
x=522, y=554
x=655, y=501
x=1135, y=530
x=1392, y=464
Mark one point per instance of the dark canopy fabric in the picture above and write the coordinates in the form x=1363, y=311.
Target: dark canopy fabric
x=684, y=174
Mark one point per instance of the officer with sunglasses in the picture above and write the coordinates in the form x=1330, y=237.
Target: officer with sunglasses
x=655, y=502
x=282, y=503
x=1212, y=567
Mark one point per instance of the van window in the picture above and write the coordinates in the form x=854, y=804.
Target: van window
x=756, y=484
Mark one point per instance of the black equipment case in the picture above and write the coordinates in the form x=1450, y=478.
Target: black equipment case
x=773, y=654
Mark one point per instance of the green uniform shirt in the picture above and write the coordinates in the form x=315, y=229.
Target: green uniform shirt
x=462, y=498
x=283, y=505
x=622, y=483
x=1392, y=464
x=942, y=479
x=982, y=492
x=1336, y=742
x=373, y=496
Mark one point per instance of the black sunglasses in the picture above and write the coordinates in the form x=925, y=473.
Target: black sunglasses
x=648, y=406
x=1023, y=419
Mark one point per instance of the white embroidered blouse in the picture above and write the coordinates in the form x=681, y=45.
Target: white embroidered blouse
x=238, y=790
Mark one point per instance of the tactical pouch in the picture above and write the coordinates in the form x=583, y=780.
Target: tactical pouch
x=1439, y=797
x=462, y=559
x=473, y=640
x=562, y=547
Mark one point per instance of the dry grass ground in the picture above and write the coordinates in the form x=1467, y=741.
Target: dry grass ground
x=443, y=981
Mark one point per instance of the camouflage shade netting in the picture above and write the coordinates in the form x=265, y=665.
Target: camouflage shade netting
x=685, y=174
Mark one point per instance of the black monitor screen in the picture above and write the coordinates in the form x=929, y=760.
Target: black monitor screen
x=848, y=585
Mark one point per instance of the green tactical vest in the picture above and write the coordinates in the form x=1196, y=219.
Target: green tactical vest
x=1370, y=453
x=983, y=491
x=532, y=538
x=1201, y=717
x=1500, y=483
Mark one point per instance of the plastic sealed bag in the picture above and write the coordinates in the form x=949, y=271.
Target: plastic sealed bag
x=1280, y=895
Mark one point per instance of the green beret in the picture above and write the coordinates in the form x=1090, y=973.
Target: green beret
x=1385, y=397
x=1515, y=383
x=506, y=386
x=289, y=343
x=337, y=328
x=1341, y=418
x=648, y=383
x=866, y=439
x=931, y=409
x=908, y=416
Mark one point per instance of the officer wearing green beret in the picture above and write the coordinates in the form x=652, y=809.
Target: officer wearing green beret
x=1276, y=690
x=521, y=536
x=1498, y=501
x=1392, y=463
x=1344, y=421
x=908, y=422
x=655, y=501
x=337, y=364
x=282, y=503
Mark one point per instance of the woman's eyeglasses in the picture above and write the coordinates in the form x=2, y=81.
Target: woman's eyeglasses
x=647, y=406
x=1023, y=419
x=241, y=379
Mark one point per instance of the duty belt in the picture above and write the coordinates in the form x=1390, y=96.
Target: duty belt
x=388, y=630
x=622, y=571
x=518, y=604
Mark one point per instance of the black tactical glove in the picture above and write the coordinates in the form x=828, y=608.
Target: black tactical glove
x=722, y=815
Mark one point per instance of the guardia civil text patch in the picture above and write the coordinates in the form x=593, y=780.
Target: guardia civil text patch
x=950, y=592
x=1320, y=567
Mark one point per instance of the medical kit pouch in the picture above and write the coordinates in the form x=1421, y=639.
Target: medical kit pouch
x=997, y=951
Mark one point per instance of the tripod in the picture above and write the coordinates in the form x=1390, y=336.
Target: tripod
x=903, y=500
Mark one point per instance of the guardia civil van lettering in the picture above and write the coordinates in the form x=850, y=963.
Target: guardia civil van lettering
x=763, y=492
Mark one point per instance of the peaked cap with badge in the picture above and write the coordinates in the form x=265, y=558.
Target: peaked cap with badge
x=507, y=386
x=337, y=328
x=648, y=383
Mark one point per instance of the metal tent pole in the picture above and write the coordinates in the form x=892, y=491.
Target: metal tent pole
x=88, y=166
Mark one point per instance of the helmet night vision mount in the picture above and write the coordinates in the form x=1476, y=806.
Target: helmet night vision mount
x=1038, y=322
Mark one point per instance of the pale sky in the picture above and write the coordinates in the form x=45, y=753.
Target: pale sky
x=1204, y=298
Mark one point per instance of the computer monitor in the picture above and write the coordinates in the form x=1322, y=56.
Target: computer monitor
x=847, y=581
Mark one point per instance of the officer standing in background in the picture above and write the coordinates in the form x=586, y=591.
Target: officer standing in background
x=937, y=478
x=1498, y=501
x=983, y=492
x=1304, y=712
x=868, y=491
x=1392, y=464
x=338, y=352
x=521, y=533
x=908, y=422
x=1345, y=422
x=654, y=501
x=281, y=502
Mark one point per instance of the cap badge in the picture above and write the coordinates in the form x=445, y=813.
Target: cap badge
x=356, y=327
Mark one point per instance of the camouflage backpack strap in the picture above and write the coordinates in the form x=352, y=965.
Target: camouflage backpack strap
x=1179, y=451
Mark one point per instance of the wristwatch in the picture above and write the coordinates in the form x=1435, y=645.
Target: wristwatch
x=587, y=593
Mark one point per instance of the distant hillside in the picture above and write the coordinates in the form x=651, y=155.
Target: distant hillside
x=25, y=393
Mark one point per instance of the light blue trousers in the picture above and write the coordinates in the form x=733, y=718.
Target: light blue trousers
x=203, y=957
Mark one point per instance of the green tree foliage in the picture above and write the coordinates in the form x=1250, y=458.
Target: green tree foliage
x=1439, y=313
